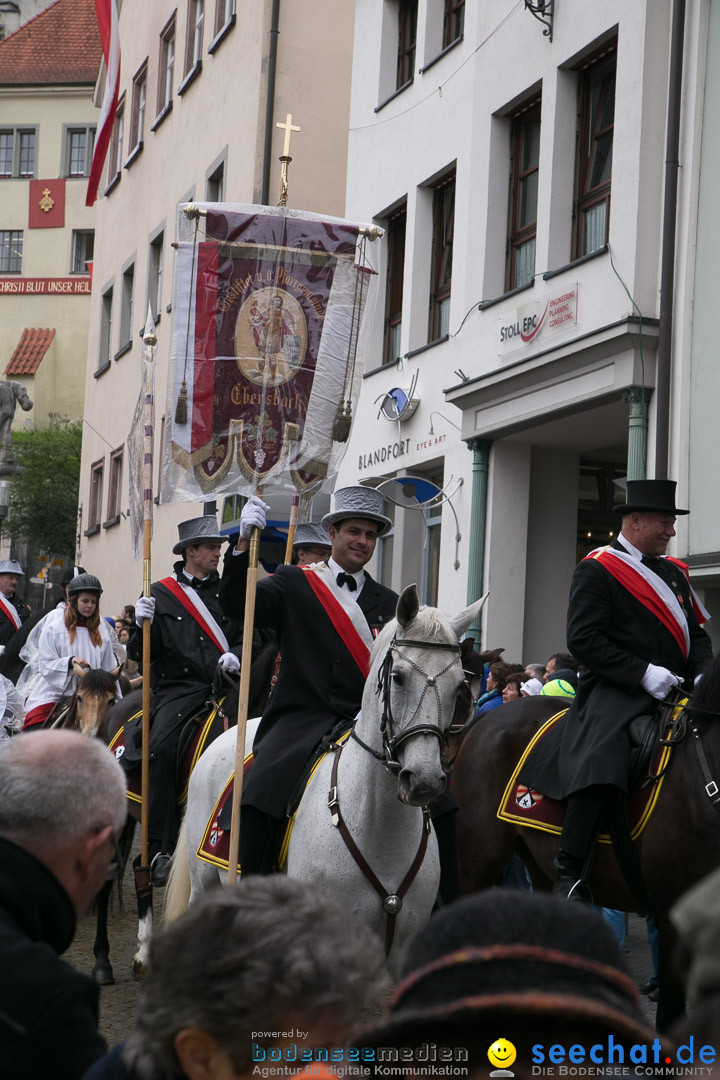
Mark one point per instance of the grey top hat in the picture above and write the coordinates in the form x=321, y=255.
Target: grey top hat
x=311, y=533
x=11, y=566
x=358, y=502
x=198, y=530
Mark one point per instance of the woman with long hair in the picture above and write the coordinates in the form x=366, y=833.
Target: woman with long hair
x=71, y=637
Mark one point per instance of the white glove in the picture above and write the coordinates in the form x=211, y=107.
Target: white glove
x=658, y=681
x=229, y=662
x=254, y=513
x=145, y=609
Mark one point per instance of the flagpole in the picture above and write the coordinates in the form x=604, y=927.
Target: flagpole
x=150, y=341
x=291, y=528
x=243, y=699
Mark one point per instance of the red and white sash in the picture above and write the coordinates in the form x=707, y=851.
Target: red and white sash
x=200, y=612
x=649, y=589
x=10, y=610
x=344, y=613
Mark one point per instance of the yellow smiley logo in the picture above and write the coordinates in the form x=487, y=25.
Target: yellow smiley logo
x=502, y=1053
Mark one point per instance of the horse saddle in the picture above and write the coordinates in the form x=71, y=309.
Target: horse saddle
x=523, y=805
x=322, y=748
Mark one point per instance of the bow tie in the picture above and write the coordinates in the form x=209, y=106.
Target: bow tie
x=347, y=579
x=196, y=582
x=653, y=562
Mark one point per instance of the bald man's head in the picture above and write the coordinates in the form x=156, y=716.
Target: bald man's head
x=63, y=800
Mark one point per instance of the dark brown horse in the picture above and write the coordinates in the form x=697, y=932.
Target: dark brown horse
x=679, y=845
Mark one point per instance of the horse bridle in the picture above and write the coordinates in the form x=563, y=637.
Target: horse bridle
x=391, y=739
x=392, y=902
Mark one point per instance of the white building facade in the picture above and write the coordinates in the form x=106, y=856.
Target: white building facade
x=519, y=177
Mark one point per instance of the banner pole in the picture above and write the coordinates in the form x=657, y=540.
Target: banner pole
x=150, y=341
x=292, y=524
x=243, y=700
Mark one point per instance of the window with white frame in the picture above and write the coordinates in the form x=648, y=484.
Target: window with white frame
x=224, y=10
x=595, y=151
x=17, y=153
x=126, y=306
x=11, y=251
x=83, y=246
x=194, y=41
x=215, y=184
x=155, y=272
x=166, y=66
x=395, y=239
x=106, y=325
x=442, y=253
x=137, y=120
x=524, y=172
x=114, y=503
x=97, y=470
x=79, y=146
x=115, y=157
x=431, y=558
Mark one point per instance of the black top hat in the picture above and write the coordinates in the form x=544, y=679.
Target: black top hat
x=656, y=495
x=501, y=954
x=197, y=530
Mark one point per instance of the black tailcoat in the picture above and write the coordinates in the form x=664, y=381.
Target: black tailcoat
x=7, y=627
x=318, y=684
x=614, y=636
x=48, y=1010
x=183, y=659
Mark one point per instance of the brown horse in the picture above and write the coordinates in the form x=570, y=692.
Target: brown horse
x=679, y=845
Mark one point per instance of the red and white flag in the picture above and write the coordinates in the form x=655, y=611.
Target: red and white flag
x=110, y=38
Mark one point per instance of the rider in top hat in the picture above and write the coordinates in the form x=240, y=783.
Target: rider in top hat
x=311, y=544
x=326, y=617
x=634, y=625
x=13, y=609
x=189, y=641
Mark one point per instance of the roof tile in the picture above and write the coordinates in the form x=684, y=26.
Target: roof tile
x=29, y=351
x=59, y=46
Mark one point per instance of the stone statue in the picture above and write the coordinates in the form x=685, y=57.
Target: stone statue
x=11, y=394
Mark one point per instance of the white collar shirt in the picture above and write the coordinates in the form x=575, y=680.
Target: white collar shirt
x=359, y=577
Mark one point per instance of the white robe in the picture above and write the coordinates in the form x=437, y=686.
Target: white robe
x=50, y=677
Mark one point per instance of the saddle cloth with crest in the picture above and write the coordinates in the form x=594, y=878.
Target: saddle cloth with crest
x=215, y=845
x=522, y=805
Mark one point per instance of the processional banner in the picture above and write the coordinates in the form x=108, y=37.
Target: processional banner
x=267, y=311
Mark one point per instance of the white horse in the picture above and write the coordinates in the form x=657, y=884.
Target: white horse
x=386, y=773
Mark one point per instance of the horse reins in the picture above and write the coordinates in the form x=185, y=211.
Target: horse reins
x=392, y=902
x=679, y=726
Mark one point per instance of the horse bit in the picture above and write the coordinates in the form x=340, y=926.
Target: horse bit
x=392, y=902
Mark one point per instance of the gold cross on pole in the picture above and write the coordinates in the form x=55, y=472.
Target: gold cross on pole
x=288, y=127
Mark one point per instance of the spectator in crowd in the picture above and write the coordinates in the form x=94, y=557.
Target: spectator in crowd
x=511, y=967
x=497, y=674
x=266, y=966
x=531, y=688
x=513, y=686
x=62, y=807
x=535, y=671
x=558, y=661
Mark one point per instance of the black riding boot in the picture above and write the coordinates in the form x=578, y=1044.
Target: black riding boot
x=583, y=818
